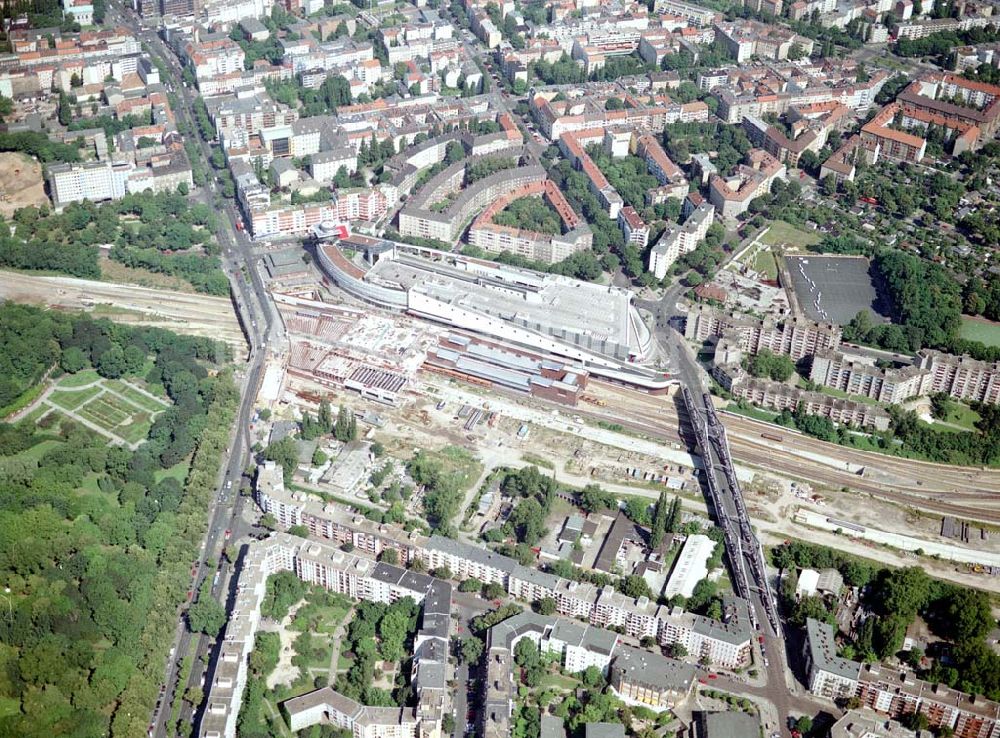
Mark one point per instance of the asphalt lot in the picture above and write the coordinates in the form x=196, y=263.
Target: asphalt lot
x=840, y=288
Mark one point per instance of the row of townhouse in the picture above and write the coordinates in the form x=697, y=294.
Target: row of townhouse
x=360, y=578
x=556, y=118
x=896, y=693
x=805, y=134
x=725, y=642
x=744, y=39
x=736, y=103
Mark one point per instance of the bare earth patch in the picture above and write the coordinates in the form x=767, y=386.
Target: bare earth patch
x=21, y=183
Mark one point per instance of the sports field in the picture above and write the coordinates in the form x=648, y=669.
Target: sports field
x=980, y=329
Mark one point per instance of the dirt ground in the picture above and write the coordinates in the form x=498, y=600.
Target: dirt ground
x=21, y=183
x=199, y=315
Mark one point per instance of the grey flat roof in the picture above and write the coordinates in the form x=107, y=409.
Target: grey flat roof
x=549, y=304
x=735, y=627
x=823, y=651
x=604, y=730
x=387, y=573
x=658, y=672
x=552, y=727
x=733, y=724
x=438, y=600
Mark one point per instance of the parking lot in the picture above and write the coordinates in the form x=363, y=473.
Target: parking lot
x=833, y=289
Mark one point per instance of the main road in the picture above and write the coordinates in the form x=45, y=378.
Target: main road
x=262, y=326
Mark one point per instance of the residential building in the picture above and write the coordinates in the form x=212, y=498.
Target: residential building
x=732, y=196
x=360, y=578
x=575, y=234
x=830, y=676
x=855, y=376
x=797, y=337
x=634, y=229
x=879, y=135
x=962, y=377
x=676, y=240
x=868, y=724
x=645, y=678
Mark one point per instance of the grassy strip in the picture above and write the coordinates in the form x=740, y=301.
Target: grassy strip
x=27, y=397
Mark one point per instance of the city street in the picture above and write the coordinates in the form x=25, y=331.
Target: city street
x=261, y=323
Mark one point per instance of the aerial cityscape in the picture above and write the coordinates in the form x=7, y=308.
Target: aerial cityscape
x=500, y=368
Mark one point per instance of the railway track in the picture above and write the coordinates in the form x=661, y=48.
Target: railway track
x=945, y=499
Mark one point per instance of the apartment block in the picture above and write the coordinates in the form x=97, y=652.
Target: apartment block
x=633, y=228
x=779, y=396
x=725, y=642
x=895, y=693
x=647, y=679
x=732, y=196
x=962, y=377
x=677, y=240
x=575, y=234
x=879, y=134
x=797, y=337
x=832, y=368
x=360, y=578
x=830, y=676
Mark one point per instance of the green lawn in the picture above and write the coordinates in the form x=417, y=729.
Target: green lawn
x=137, y=430
x=984, y=331
x=137, y=398
x=89, y=485
x=38, y=450
x=35, y=415
x=962, y=415
x=87, y=376
x=560, y=681
x=752, y=412
x=9, y=706
x=785, y=234
x=177, y=471
x=765, y=265
x=331, y=618
x=74, y=399
x=960, y=418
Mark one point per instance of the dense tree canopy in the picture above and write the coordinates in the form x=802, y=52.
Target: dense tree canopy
x=164, y=233
x=96, y=545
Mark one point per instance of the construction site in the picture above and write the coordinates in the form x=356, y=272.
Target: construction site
x=382, y=364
